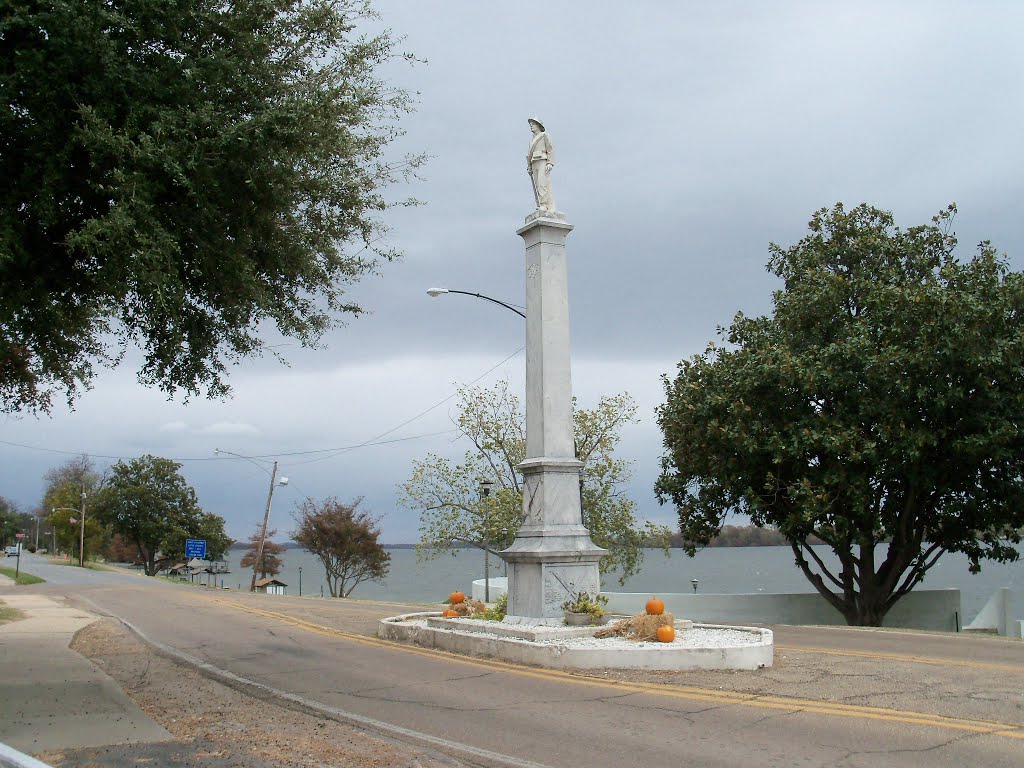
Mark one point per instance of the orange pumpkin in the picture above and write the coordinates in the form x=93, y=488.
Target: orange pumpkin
x=666, y=634
x=456, y=597
x=655, y=607
x=450, y=614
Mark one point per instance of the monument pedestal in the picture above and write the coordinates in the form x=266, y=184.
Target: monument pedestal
x=552, y=557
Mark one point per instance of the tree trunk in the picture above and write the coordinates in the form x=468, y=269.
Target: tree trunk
x=865, y=607
x=865, y=615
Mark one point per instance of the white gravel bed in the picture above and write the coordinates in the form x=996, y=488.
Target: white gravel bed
x=697, y=637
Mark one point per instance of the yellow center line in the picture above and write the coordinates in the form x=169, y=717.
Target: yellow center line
x=1017, y=668
x=995, y=728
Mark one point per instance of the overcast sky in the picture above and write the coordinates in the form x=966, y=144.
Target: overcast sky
x=689, y=136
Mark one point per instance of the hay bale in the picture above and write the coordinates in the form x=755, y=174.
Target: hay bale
x=641, y=627
x=469, y=607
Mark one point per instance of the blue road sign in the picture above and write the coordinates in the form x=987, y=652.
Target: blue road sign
x=195, y=548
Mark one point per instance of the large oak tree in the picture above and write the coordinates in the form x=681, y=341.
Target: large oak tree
x=178, y=175
x=879, y=408
x=150, y=504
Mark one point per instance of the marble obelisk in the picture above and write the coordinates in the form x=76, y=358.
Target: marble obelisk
x=553, y=555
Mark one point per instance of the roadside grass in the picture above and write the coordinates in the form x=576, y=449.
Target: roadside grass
x=90, y=564
x=22, y=578
x=9, y=614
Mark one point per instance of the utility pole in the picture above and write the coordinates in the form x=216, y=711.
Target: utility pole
x=263, y=535
x=485, y=496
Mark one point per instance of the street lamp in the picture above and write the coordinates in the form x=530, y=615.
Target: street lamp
x=435, y=292
x=81, y=536
x=485, y=493
x=266, y=515
x=485, y=485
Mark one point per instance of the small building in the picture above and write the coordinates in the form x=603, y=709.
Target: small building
x=271, y=586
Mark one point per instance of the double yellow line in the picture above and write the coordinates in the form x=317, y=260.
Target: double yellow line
x=994, y=728
x=1018, y=669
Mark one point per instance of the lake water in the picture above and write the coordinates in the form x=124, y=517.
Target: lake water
x=723, y=570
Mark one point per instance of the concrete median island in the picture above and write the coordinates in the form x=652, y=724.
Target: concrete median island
x=697, y=646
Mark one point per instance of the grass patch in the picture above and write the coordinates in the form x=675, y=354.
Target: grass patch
x=91, y=565
x=23, y=578
x=9, y=614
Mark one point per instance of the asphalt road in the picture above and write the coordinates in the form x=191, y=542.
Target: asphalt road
x=834, y=698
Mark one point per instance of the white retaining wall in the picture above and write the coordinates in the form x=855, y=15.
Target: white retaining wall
x=937, y=609
x=1001, y=613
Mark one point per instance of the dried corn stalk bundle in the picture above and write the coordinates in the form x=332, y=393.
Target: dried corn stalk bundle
x=643, y=626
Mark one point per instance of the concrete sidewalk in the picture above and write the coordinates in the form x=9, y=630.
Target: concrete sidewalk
x=53, y=698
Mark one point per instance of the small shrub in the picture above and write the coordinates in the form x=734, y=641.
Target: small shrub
x=584, y=603
x=495, y=613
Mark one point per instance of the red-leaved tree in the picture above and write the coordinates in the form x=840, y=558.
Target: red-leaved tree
x=345, y=540
x=270, y=563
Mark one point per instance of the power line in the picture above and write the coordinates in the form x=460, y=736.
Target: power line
x=336, y=451
x=367, y=444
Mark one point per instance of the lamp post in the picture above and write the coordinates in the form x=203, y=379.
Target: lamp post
x=81, y=536
x=435, y=292
x=485, y=496
x=266, y=514
x=300, y=581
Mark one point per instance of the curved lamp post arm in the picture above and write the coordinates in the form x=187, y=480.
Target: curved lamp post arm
x=435, y=292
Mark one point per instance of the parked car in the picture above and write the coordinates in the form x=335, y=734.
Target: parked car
x=11, y=551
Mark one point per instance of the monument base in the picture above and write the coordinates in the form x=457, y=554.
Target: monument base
x=549, y=567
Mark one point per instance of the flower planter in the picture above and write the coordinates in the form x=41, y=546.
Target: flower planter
x=577, y=619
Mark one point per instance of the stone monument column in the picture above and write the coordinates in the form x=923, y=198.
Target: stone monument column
x=552, y=556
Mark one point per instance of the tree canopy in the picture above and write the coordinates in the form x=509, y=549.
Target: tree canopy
x=269, y=562
x=179, y=175
x=879, y=408
x=62, y=504
x=345, y=538
x=13, y=521
x=149, y=503
x=452, y=512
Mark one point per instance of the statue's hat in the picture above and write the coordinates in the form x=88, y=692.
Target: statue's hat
x=535, y=120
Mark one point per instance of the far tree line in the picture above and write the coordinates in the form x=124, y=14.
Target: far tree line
x=740, y=536
x=143, y=510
